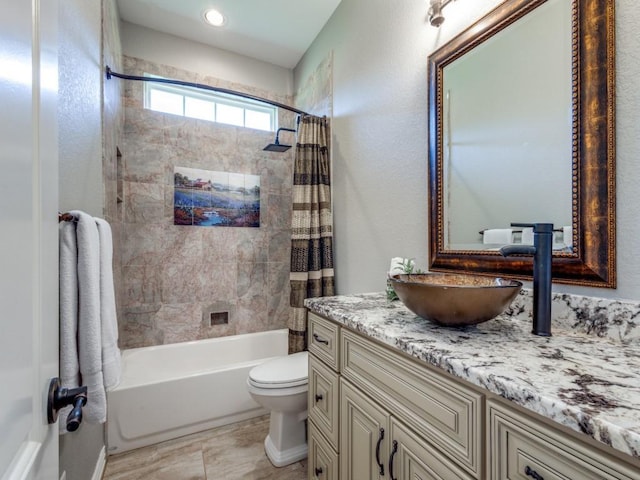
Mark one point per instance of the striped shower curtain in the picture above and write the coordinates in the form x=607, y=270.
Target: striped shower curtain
x=312, y=230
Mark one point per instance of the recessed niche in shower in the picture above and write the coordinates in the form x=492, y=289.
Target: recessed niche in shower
x=218, y=318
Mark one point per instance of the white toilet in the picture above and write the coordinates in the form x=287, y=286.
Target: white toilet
x=280, y=385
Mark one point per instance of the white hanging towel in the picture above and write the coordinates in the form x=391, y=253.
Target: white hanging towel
x=111, y=359
x=89, y=324
x=567, y=235
x=89, y=354
x=499, y=236
x=69, y=365
x=527, y=236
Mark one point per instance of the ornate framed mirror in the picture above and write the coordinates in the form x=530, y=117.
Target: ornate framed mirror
x=522, y=129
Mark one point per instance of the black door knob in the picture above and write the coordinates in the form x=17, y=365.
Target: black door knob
x=59, y=397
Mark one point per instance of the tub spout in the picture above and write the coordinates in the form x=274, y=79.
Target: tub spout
x=541, y=251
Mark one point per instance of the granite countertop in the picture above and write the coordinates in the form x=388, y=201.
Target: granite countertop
x=586, y=376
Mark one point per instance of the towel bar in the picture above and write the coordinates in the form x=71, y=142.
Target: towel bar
x=66, y=217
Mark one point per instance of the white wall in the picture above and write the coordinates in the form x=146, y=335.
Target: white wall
x=379, y=128
x=79, y=110
x=162, y=48
x=80, y=160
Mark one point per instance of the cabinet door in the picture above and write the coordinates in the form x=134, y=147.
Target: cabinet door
x=412, y=458
x=364, y=432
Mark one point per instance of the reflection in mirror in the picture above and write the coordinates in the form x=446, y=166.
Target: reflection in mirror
x=522, y=129
x=507, y=133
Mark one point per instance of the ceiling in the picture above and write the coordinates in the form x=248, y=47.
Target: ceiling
x=274, y=31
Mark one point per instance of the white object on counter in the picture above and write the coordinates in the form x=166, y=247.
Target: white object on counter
x=397, y=265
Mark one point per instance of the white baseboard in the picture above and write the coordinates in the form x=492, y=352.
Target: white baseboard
x=100, y=465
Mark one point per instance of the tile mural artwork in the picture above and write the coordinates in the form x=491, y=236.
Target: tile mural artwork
x=215, y=199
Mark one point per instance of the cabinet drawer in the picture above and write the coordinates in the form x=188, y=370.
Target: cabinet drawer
x=324, y=399
x=324, y=340
x=442, y=411
x=322, y=460
x=524, y=449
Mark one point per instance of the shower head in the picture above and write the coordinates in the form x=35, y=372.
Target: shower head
x=277, y=146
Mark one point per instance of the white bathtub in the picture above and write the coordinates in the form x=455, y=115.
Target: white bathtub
x=172, y=390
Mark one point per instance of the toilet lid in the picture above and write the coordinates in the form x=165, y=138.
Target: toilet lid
x=287, y=371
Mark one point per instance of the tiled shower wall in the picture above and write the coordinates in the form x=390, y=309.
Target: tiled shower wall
x=174, y=277
x=112, y=138
x=315, y=95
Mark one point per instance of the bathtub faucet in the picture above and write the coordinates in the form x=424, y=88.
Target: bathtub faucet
x=541, y=251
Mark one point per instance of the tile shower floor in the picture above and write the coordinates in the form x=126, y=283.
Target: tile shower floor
x=226, y=453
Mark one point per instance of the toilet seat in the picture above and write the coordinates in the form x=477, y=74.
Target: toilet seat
x=281, y=385
x=283, y=372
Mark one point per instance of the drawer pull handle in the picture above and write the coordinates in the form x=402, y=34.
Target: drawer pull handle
x=393, y=454
x=318, y=471
x=320, y=340
x=532, y=473
x=380, y=464
x=318, y=397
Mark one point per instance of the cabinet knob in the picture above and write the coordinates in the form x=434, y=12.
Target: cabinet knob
x=318, y=339
x=380, y=438
x=318, y=471
x=530, y=472
x=394, y=450
x=318, y=397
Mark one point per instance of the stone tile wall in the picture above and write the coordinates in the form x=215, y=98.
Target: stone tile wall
x=112, y=138
x=175, y=276
x=315, y=95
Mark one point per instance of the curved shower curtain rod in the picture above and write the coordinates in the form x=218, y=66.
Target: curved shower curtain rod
x=110, y=73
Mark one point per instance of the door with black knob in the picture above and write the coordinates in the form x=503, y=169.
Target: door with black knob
x=412, y=458
x=364, y=436
x=29, y=145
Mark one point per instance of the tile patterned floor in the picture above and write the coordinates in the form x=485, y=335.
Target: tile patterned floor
x=226, y=453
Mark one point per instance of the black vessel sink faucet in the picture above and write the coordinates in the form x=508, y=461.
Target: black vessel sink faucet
x=541, y=251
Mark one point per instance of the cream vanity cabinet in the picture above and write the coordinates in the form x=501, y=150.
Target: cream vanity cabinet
x=401, y=420
x=376, y=413
x=521, y=447
x=372, y=411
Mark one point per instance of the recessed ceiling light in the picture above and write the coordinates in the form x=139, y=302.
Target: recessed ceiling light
x=214, y=17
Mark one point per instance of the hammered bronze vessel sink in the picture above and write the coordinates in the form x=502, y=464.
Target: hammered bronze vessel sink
x=455, y=299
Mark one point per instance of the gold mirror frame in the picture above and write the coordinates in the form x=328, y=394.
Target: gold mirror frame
x=592, y=262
